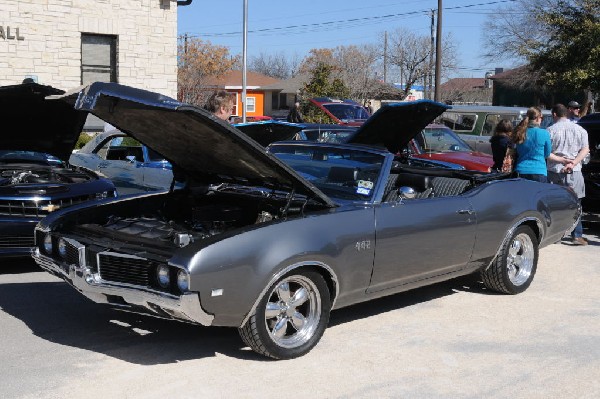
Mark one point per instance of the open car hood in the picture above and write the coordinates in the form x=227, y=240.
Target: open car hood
x=40, y=125
x=394, y=125
x=205, y=148
x=267, y=132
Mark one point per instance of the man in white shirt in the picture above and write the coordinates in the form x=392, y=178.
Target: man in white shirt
x=570, y=141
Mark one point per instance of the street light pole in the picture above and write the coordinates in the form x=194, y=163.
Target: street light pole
x=438, y=52
x=244, y=51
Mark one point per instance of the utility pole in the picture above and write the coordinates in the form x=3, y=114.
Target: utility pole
x=385, y=57
x=438, y=52
x=244, y=52
x=431, y=50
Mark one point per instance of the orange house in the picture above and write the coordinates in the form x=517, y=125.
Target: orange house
x=258, y=101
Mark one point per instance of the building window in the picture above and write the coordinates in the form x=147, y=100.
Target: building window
x=98, y=58
x=235, y=104
x=250, y=104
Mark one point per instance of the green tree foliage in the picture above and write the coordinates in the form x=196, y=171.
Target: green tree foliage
x=570, y=56
x=83, y=139
x=321, y=84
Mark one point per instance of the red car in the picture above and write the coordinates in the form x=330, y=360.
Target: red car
x=399, y=128
x=440, y=143
x=340, y=112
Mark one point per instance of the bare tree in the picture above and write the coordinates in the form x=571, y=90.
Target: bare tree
x=315, y=58
x=351, y=65
x=511, y=30
x=275, y=65
x=198, y=61
x=410, y=55
x=355, y=68
x=466, y=91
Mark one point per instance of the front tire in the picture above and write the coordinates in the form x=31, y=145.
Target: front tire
x=514, y=268
x=290, y=318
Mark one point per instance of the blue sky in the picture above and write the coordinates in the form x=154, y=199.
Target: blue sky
x=293, y=28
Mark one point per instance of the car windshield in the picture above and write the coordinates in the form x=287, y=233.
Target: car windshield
x=7, y=156
x=441, y=139
x=340, y=173
x=328, y=135
x=347, y=112
x=130, y=142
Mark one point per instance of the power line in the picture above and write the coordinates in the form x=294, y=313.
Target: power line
x=346, y=23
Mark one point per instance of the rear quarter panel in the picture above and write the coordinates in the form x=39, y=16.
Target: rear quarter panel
x=501, y=205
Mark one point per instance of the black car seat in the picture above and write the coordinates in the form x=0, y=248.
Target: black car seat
x=420, y=183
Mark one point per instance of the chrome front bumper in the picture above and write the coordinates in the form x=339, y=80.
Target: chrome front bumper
x=186, y=307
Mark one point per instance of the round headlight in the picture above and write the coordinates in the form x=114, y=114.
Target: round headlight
x=48, y=244
x=183, y=280
x=62, y=248
x=162, y=276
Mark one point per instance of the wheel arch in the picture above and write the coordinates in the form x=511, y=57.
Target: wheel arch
x=534, y=223
x=323, y=269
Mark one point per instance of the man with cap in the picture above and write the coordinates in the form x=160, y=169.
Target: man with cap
x=573, y=108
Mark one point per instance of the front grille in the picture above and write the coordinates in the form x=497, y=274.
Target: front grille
x=16, y=241
x=72, y=257
x=125, y=269
x=33, y=208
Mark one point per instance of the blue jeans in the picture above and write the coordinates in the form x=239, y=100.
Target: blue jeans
x=578, y=230
x=540, y=178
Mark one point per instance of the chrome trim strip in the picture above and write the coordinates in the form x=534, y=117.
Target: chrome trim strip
x=186, y=307
x=286, y=270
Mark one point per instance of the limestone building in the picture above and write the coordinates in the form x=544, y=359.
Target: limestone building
x=67, y=43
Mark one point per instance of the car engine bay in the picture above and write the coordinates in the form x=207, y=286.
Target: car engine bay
x=162, y=223
x=14, y=175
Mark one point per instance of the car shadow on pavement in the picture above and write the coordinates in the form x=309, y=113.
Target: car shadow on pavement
x=57, y=313
x=18, y=266
x=470, y=283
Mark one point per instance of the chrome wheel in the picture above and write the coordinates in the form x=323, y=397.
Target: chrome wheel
x=290, y=317
x=513, y=269
x=293, y=311
x=520, y=259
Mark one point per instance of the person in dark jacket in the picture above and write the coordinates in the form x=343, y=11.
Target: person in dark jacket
x=295, y=116
x=500, y=142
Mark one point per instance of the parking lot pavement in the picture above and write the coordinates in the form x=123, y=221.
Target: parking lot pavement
x=450, y=340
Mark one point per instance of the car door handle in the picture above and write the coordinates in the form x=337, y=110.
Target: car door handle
x=465, y=212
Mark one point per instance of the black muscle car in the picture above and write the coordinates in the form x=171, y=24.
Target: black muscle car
x=35, y=179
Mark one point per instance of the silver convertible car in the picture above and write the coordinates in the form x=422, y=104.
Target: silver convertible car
x=271, y=241
x=131, y=166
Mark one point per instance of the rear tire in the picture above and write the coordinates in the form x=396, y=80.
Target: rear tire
x=290, y=318
x=514, y=268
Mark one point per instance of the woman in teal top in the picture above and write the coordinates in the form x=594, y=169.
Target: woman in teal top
x=533, y=147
